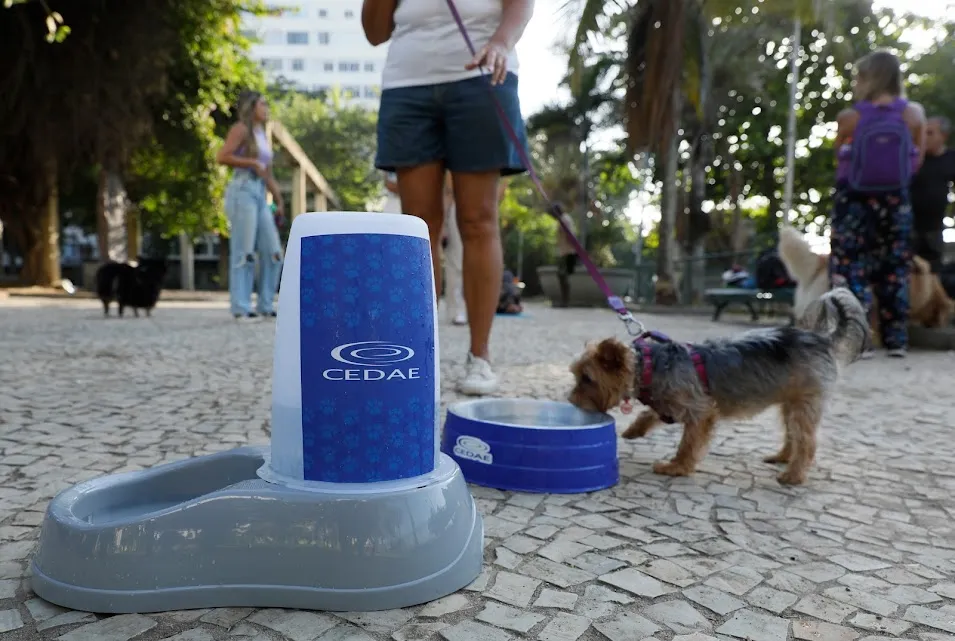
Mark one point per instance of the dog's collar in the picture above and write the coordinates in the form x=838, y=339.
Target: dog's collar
x=642, y=344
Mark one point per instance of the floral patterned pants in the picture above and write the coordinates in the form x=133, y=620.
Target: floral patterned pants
x=871, y=249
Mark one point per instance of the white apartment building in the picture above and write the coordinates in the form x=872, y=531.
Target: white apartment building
x=320, y=46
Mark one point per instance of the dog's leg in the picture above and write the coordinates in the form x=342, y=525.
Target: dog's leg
x=135, y=312
x=801, y=418
x=148, y=312
x=642, y=425
x=784, y=454
x=121, y=308
x=105, y=308
x=693, y=446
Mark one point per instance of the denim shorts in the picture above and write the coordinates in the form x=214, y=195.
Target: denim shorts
x=454, y=122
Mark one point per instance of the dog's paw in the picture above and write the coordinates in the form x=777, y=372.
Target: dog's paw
x=641, y=426
x=789, y=477
x=669, y=468
x=634, y=431
x=778, y=457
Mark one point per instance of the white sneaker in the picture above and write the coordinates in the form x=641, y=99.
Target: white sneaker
x=898, y=352
x=460, y=319
x=479, y=379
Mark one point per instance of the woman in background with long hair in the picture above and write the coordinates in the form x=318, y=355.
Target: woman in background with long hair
x=880, y=143
x=252, y=227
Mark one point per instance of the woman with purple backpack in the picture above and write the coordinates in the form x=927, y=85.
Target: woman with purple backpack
x=879, y=146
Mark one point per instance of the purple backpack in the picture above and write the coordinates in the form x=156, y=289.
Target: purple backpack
x=882, y=148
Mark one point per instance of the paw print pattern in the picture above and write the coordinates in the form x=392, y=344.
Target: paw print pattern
x=374, y=284
x=356, y=288
x=350, y=295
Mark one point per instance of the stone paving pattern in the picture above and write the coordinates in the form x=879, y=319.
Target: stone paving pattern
x=864, y=551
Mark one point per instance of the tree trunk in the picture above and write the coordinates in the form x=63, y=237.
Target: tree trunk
x=665, y=289
x=791, y=124
x=134, y=232
x=224, y=265
x=737, y=242
x=187, y=264
x=699, y=227
x=111, y=217
x=39, y=235
x=582, y=228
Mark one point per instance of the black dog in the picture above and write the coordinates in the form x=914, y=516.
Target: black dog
x=137, y=287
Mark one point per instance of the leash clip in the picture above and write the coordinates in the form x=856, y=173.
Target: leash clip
x=634, y=327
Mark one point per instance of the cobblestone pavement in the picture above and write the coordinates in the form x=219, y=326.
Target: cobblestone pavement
x=866, y=550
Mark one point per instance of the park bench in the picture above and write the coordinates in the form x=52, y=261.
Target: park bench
x=755, y=300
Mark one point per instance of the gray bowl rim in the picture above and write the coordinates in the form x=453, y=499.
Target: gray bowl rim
x=600, y=419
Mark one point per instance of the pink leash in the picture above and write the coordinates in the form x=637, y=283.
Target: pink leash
x=634, y=327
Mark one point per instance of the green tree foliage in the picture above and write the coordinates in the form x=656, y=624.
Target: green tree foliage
x=750, y=133
x=934, y=76
x=174, y=177
x=134, y=87
x=341, y=142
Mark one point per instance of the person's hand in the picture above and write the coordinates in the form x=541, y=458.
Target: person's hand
x=260, y=169
x=493, y=57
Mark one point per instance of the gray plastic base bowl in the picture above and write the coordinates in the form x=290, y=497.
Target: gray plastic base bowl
x=208, y=532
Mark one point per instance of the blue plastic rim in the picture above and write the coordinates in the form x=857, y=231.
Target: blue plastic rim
x=529, y=445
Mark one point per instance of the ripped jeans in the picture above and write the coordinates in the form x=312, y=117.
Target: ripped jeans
x=252, y=233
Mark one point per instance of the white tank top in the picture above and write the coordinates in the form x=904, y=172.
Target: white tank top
x=426, y=47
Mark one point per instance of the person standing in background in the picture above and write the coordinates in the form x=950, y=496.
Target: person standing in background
x=392, y=199
x=871, y=227
x=453, y=259
x=931, y=187
x=454, y=253
x=252, y=226
x=566, y=259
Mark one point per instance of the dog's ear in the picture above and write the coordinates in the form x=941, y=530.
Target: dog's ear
x=612, y=355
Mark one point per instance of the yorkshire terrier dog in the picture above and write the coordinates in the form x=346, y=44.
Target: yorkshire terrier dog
x=697, y=385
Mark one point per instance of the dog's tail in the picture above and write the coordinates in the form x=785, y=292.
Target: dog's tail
x=797, y=255
x=839, y=316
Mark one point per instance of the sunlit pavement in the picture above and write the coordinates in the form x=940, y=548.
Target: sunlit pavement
x=865, y=550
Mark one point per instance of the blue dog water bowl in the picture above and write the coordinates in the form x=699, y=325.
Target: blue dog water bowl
x=529, y=445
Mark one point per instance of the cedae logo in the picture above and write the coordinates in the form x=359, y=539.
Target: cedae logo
x=372, y=361
x=473, y=449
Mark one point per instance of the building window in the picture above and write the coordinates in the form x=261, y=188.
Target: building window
x=324, y=37
x=297, y=37
x=348, y=66
x=323, y=13
x=298, y=64
x=319, y=88
x=351, y=92
x=369, y=66
x=328, y=66
x=273, y=37
x=249, y=34
x=371, y=92
x=349, y=13
x=272, y=64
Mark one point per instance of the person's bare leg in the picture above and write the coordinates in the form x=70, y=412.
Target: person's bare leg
x=475, y=195
x=420, y=191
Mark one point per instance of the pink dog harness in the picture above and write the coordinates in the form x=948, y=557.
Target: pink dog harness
x=642, y=344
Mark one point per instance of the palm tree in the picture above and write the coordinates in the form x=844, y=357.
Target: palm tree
x=666, y=66
x=799, y=11
x=567, y=130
